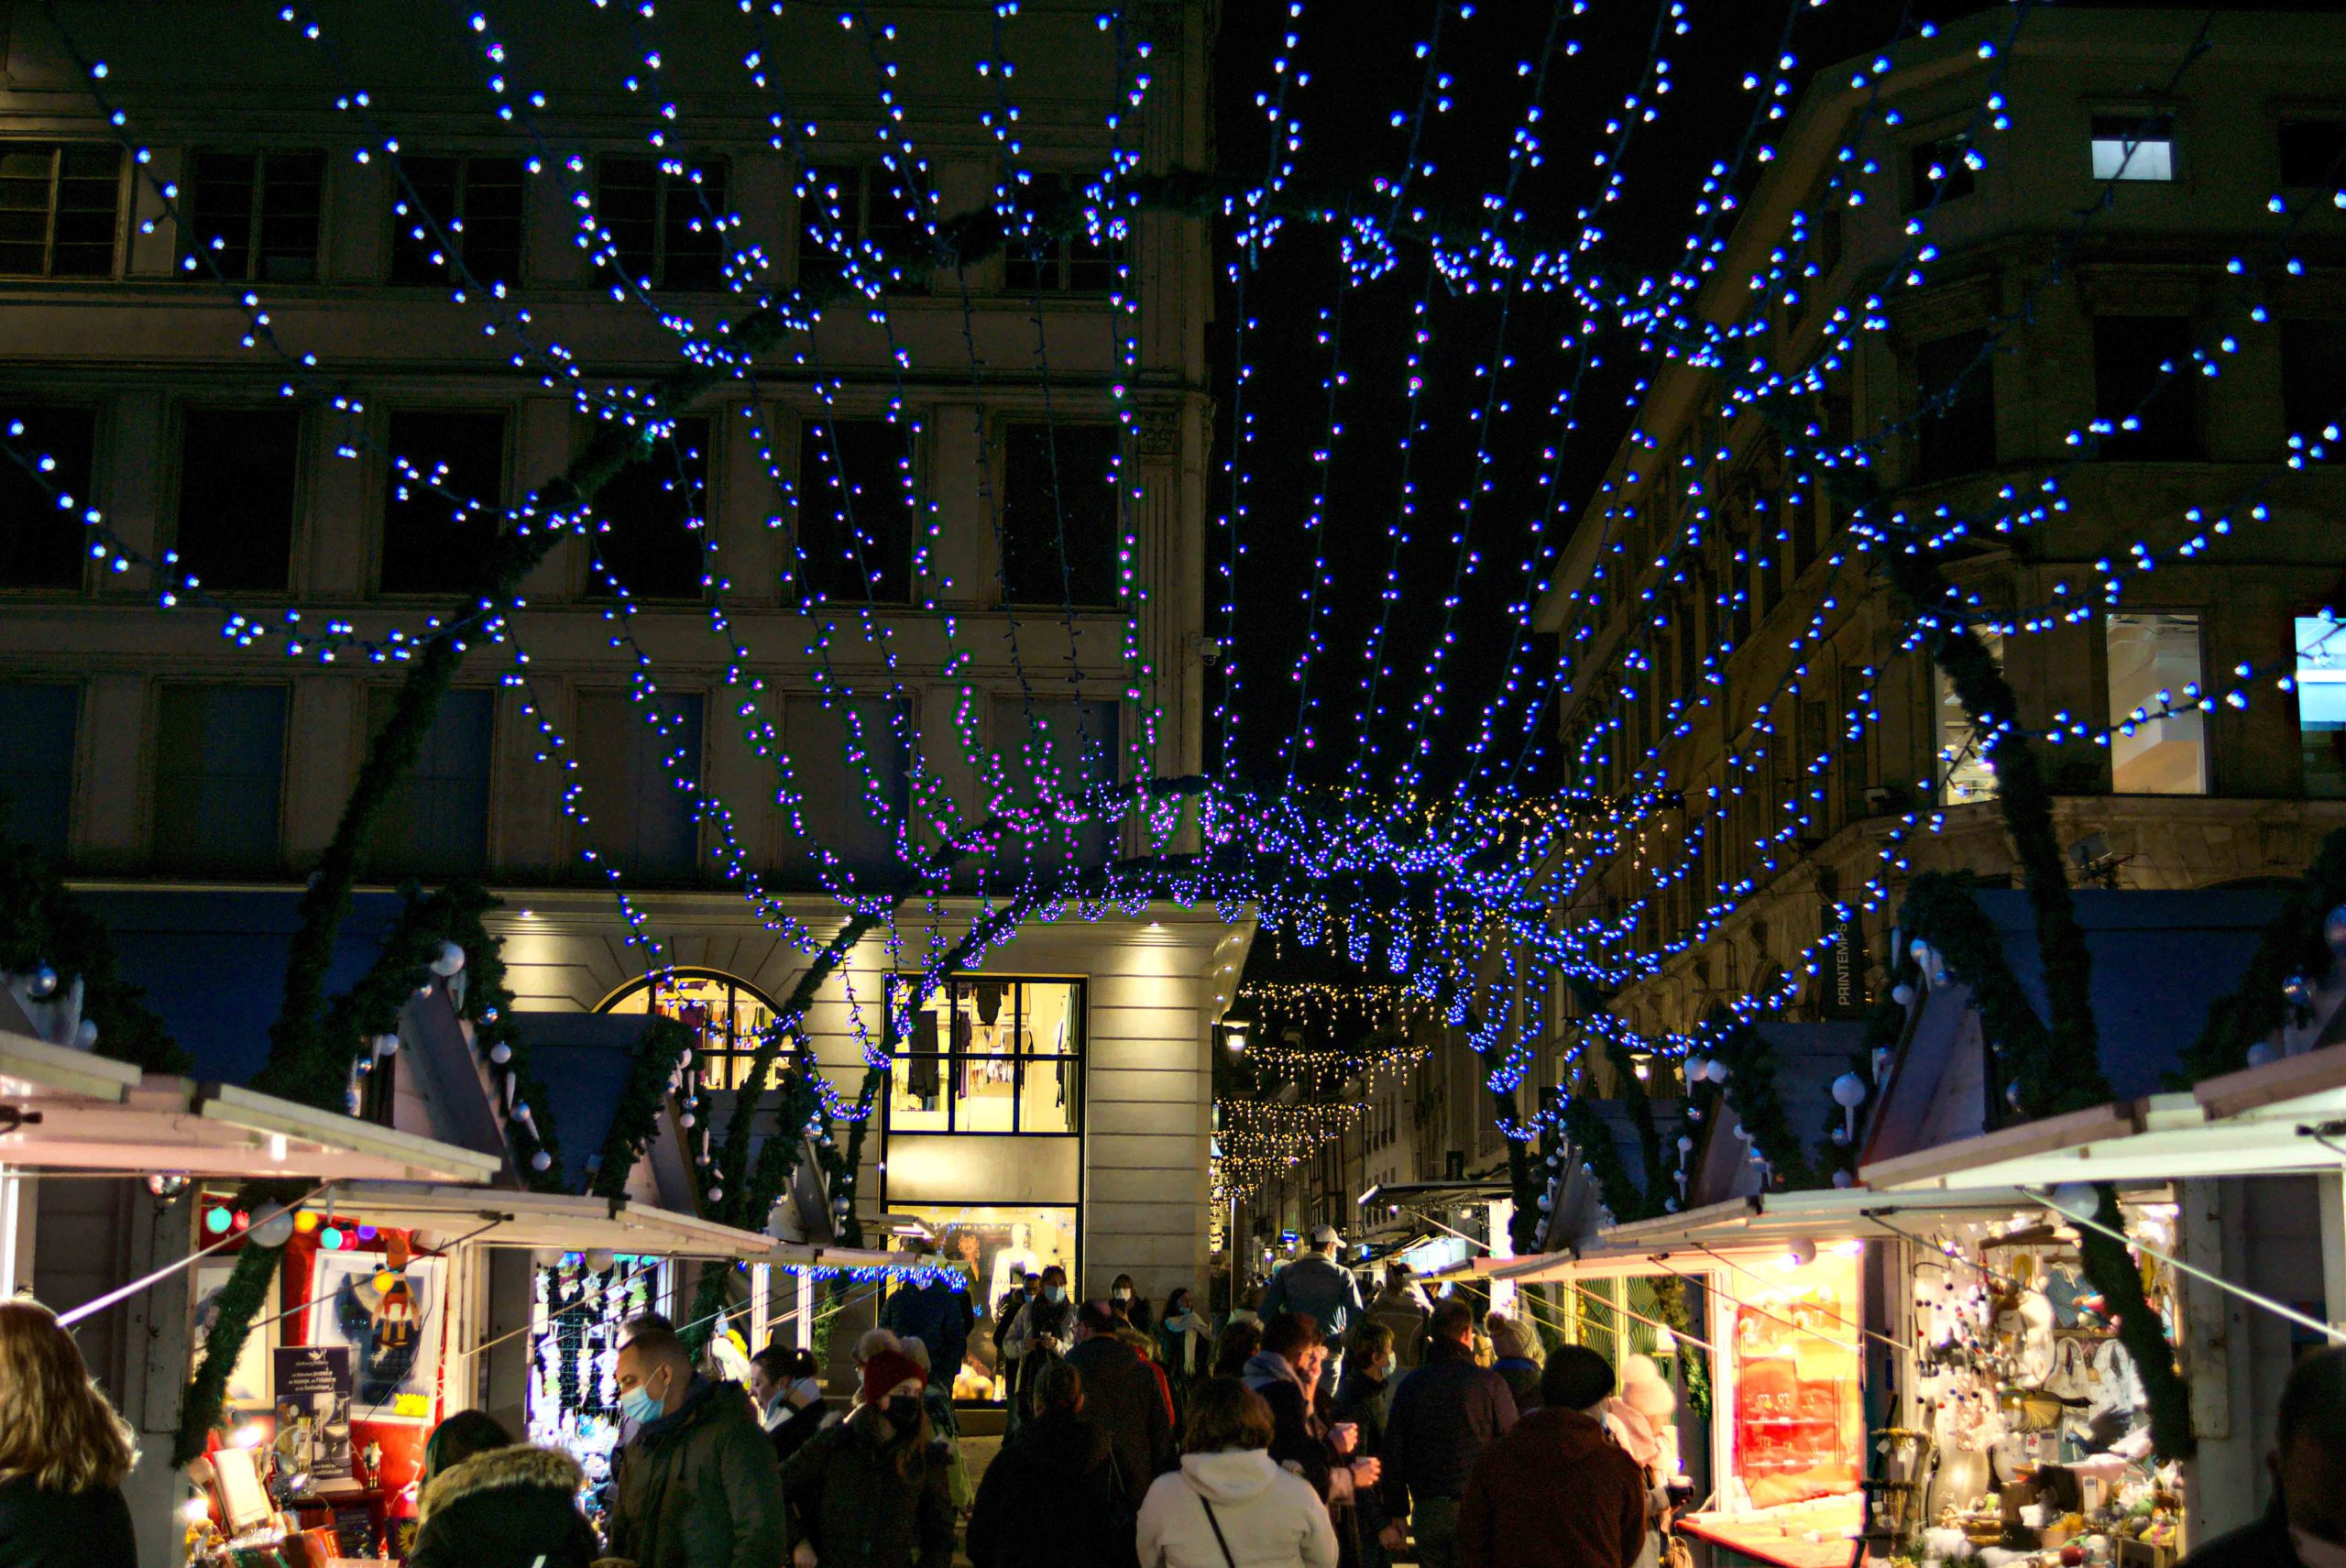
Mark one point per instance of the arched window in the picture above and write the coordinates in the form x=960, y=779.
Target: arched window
x=728, y=1016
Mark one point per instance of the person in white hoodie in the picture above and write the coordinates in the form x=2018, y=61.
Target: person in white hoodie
x=1229, y=1506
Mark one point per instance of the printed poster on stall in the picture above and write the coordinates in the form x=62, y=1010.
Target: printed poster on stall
x=312, y=1399
x=390, y=1324
x=248, y=1380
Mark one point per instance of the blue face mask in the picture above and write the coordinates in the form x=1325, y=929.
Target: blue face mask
x=637, y=1406
x=1054, y=1294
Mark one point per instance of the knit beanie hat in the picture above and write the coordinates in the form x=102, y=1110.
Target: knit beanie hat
x=1508, y=1341
x=884, y=1371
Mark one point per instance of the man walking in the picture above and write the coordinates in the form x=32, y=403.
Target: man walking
x=938, y=1313
x=1401, y=1308
x=1122, y=1394
x=1556, y=1492
x=696, y=1485
x=1035, y=1338
x=1444, y=1414
x=2306, y=1525
x=1317, y=1287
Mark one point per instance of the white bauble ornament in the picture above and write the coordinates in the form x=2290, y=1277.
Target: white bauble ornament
x=272, y=1225
x=448, y=961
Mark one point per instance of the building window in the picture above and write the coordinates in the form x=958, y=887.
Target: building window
x=456, y=219
x=855, y=512
x=42, y=543
x=1955, y=395
x=36, y=764
x=446, y=491
x=1059, y=533
x=2313, y=375
x=1964, y=772
x=1071, y=263
x=2321, y=705
x=2133, y=146
x=2313, y=153
x=652, y=519
x=254, y=216
x=2154, y=666
x=61, y=204
x=238, y=486
x=988, y=1055
x=639, y=775
x=847, y=761
x=1056, y=757
x=860, y=213
x=219, y=771
x=2145, y=388
x=663, y=225
x=436, y=823
x=728, y=1018
x=1939, y=171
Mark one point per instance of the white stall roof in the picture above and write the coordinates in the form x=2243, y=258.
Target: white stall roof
x=97, y=1114
x=549, y=1221
x=806, y=1255
x=2265, y=1121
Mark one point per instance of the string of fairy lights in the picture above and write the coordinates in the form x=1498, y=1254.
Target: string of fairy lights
x=1609, y=878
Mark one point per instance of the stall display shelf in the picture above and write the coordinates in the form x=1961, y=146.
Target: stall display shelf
x=1815, y=1534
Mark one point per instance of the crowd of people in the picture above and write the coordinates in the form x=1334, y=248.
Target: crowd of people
x=1140, y=1441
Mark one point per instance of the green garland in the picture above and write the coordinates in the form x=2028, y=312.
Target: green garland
x=40, y=922
x=2293, y=946
x=239, y=1303
x=1694, y=1371
x=2109, y=1267
x=636, y=1118
x=1752, y=1093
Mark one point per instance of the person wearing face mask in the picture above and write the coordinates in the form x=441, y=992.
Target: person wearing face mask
x=1185, y=1349
x=1040, y=1335
x=2306, y=1525
x=697, y=1486
x=1359, y=1399
x=787, y=1386
x=871, y=1491
x=1130, y=1304
x=1286, y=1373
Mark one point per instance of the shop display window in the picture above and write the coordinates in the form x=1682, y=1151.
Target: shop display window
x=727, y=1017
x=1798, y=1419
x=987, y=1055
x=1000, y=1245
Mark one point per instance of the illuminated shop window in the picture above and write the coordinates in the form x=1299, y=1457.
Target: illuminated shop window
x=988, y=1055
x=726, y=1015
x=2321, y=705
x=2155, y=667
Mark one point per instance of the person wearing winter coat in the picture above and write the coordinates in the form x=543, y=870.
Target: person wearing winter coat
x=787, y=1386
x=1230, y=1504
x=1360, y=1400
x=1041, y=1333
x=2305, y=1526
x=1125, y=1395
x=63, y=1452
x=1556, y=1492
x=1315, y=1286
x=1184, y=1348
x=871, y=1491
x=1050, y=1497
x=1514, y=1357
x=1128, y=1303
x=1401, y=1308
x=1444, y=1414
x=937, y=1313
x=696, y=1488
x=490, y=1503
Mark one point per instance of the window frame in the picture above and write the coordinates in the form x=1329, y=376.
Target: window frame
x=2121, y=122
x=1119, y=475
x=294, y=524
x=2332, y=116
x=663, y=460
x=387, y=479
x=211, y=867
x=664, y=182
x=89, y=496
x=2204, y=742
x=869, y=175
x=79, y=700
x=377, y=866
x=947, y=1059
x=58, y=149
x=464, y=159
x=914, y=449
x=581, y=836
x=1058, y=257
x=735, y=985
x=1923, y=193
x=256, y=215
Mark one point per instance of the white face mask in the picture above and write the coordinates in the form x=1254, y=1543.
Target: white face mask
x=2316, y=1554
x=806, y=1390
x=1124, y=1292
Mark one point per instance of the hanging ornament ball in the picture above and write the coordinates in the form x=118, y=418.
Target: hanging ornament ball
x=1670, y=1205
x=41, y=984
x=1547, y=1202
x=1697, y=1069
x=272, y=1226
x=170, y=1184
x=1849, y=1092
x=2077, y=1200
x=1902, y=994
x=716, y=1195
x=2011, y=1094
x=1843, y=1178
x=330, y=1238
x=686, y=1118
x=541, y=1160
x=490, y=1014
x=1718, y=1072
x=601, y=1258
x=1841, y=1137
x=217, y=1219
x=305, y=1221
x=501, y=1053
x=387, y=1045
x=2261, y=1052
x=448, y=961
x=423, y=990
x=85, y=1034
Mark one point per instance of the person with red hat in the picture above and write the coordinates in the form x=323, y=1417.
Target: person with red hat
x=872, y=1490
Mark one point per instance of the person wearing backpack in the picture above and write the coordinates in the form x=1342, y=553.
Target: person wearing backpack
x=1052, y=1497
x=1229, y=1506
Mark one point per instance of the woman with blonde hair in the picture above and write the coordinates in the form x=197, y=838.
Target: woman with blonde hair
x=63, y=1452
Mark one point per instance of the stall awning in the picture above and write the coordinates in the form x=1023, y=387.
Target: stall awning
x=73, y=1111
x=1427, y=1194
x=806, y=1255
x=1761, y=1223
x=2265, y=1121
x=549, y=1221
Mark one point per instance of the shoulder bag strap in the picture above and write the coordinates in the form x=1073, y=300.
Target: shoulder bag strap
x=1218, y=1539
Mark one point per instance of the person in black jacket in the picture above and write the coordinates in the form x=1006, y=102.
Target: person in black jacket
x=1360, y=1400
x=487, y=1503
x=1125, y=1397
x=1052, y=1499
x=1304, y=1438
x=787, y=1387
x=2306, y=1525
x=63, y=1452
x=1444, y=1414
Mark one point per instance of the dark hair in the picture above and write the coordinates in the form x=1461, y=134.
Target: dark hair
x=1239, y=1341
x=1398, y=1273
x=1055, y=1269
x=1122, y=1279
x=786, y=1364
x=1574, y=1379
x=1224, y=1413
x=1288, y=1334
x=1181, y=1291
x=2313, y=1401
x=1096, y=1316
x=1369, y=1340
x=652, y=1336
x=460, y=1437
x=1058, y=1386
x=1452, y=1319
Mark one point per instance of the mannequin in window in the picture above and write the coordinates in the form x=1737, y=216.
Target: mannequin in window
x=1013, y=1264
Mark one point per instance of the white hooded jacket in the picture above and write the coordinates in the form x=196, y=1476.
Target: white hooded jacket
x=1271, y=1518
